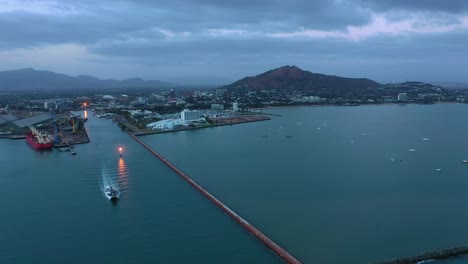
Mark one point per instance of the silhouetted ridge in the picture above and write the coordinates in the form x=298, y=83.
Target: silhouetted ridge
x=31, y=79
x=294, y=78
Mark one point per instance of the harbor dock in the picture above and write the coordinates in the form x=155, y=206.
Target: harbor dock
x=277, y=249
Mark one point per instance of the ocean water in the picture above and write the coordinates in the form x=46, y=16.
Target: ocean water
x=53, y=209
x=339, y=184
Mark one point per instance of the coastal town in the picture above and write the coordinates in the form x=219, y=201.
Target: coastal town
x=159, y=110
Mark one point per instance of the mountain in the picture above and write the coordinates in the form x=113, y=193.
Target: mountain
x=31, y=79
x=293, y=78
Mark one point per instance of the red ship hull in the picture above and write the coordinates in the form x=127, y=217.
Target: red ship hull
x=30, y=139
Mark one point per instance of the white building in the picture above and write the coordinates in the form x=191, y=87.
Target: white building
x=188, y=115
x=108, y=97
x=46, y=105
x=312, y=99
x=112, y=105
x=402, y=97
x=135, y=113
x=235, y=106
x=165, y=124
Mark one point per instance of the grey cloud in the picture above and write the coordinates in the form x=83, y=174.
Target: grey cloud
x=451, y=6
x=292, y=13
x=385, y=59
x=127, y=33
x=94, y=22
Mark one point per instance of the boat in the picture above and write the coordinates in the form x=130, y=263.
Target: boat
x=73, y=152
x=425, y=139
x=412, y=150
x=464, y=161
x=38, y=139
x=111, y=193
x=64, y=149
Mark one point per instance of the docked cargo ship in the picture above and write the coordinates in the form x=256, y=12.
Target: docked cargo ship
x=38, y=139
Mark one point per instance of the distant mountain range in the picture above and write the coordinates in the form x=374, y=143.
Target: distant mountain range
x=294, y=78
x=31, y=79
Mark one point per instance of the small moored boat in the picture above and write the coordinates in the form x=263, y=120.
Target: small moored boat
x=464, y=161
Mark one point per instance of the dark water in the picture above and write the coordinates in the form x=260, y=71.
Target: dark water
x=333, y=194
x=53, y=209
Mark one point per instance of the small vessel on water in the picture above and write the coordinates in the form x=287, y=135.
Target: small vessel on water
x=111, y=193
x=412, y=150
x=38, y=139
x=73, y=152
x=464, y=161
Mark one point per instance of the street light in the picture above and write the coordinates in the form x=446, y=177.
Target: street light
x=120, y=151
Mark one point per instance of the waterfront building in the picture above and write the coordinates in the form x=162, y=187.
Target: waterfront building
x=235, y=106
x=188, y=115
x=402, y=97
x=166, y=124
x=312, y=99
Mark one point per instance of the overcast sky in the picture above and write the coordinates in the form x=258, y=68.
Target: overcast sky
x=217, y=42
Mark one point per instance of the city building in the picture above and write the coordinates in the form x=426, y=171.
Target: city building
x=220, y=92
x=312, y=99
x=188, y=115
x=235, y=106
x=112, y=105
x=166, y=124
x=217, y=107
x=402, y=97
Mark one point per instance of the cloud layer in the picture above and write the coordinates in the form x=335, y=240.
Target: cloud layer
x=209, y=41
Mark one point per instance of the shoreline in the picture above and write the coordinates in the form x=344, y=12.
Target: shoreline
x=263, y=118
x=349, y=105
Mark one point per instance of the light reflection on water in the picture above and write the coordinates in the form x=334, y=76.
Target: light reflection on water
x=122, y=174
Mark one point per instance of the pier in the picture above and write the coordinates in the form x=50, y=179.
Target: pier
x=429, y=256
x=277, y=249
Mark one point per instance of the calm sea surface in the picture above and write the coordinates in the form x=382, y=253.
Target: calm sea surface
x=329, y=184
x=344, y=187
x=53, y=210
